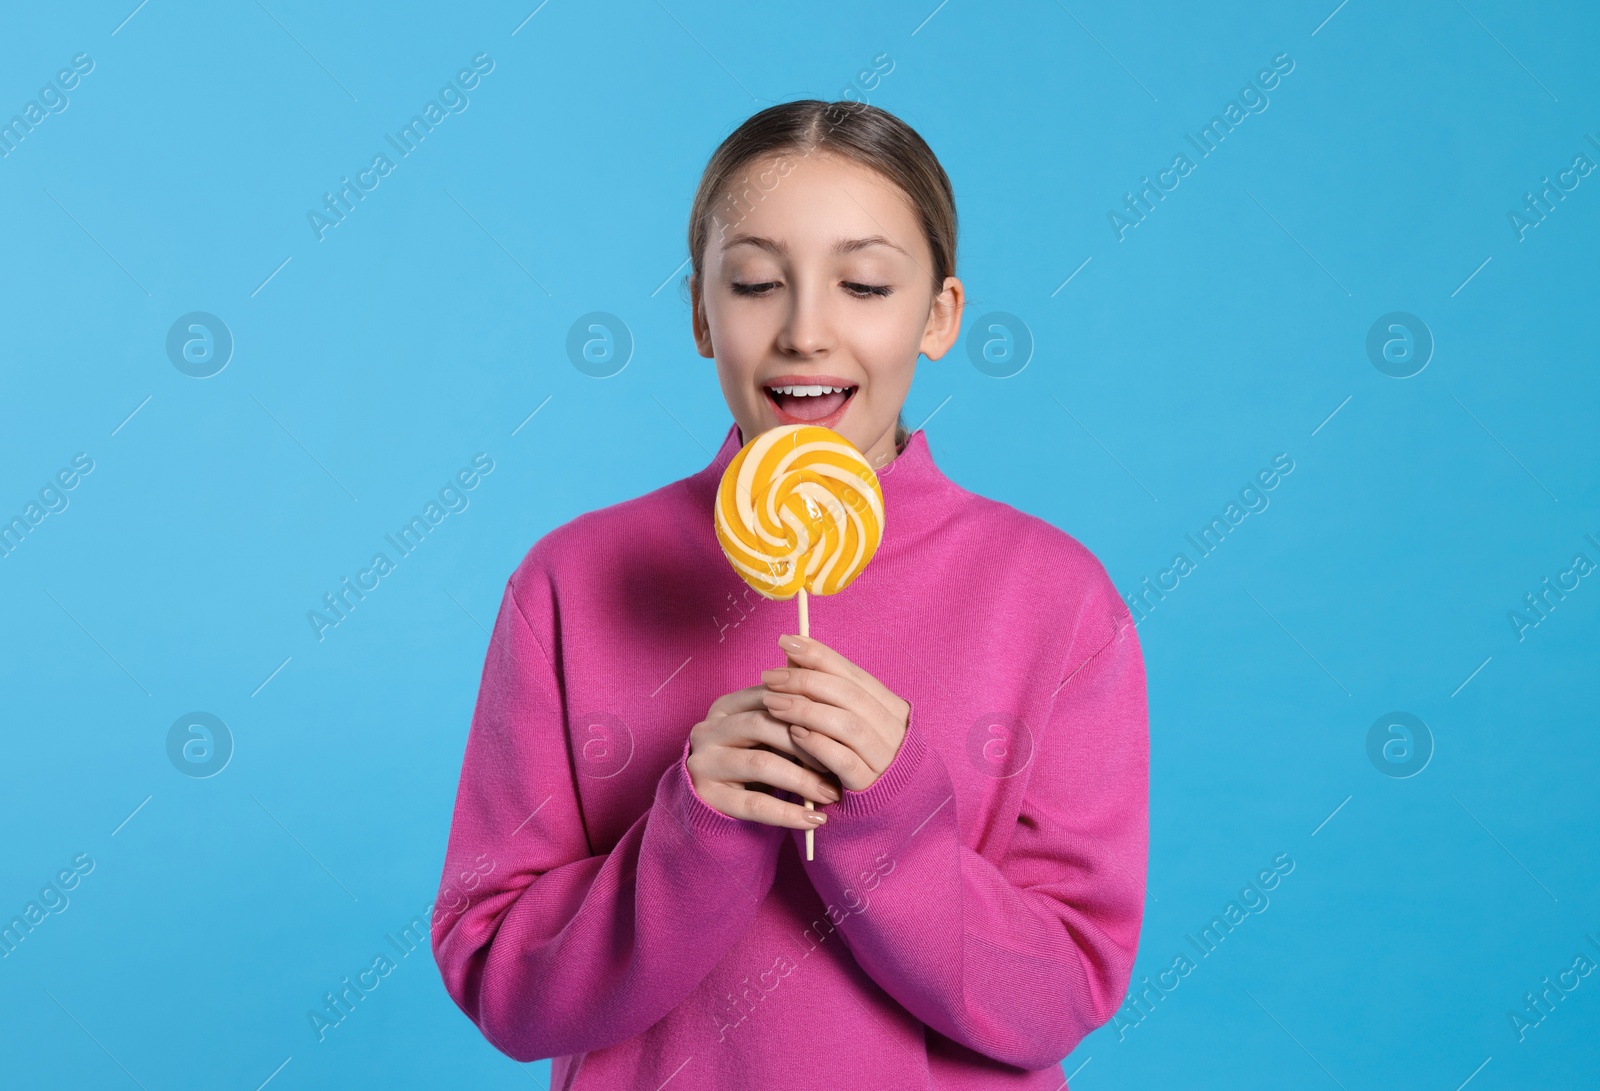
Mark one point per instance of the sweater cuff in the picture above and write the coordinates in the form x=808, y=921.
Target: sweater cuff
x=704, y=819
x=891, y=783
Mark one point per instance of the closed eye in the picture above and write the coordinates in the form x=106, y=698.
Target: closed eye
x=860, y=291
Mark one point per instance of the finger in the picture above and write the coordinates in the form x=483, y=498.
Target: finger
x=842, y=725
x=828, y=689
x=757, y=728
x=781, y=740
x=799, y=757
x=847, y=765
x=815, y=655
x=773, y=770
x=766, y=809
x=740, y=700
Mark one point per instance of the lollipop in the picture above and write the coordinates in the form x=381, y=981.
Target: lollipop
x=799, y=510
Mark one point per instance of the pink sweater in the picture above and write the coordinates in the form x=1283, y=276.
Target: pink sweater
x=967, y=919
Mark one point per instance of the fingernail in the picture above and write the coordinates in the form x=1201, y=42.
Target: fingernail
x=829, y=795
x=816, y=817
x=798, y=731
x=775, y=677
x=791, y=644
x=778, y=701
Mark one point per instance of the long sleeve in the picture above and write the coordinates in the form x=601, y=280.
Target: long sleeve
x=1020, y=959
x=550, y=948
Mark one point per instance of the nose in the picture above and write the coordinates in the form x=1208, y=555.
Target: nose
x=805, y=330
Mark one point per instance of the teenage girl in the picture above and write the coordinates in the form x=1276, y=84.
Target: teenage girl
x=625, y=888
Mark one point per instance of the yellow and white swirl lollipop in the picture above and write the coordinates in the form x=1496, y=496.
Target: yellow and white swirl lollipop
x=799, y=510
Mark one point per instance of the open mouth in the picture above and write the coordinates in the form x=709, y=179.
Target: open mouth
x=809, y=403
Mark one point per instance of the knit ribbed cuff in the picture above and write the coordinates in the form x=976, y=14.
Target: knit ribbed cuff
x=892, y=781
x=706, y=820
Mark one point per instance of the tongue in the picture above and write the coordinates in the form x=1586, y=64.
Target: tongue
x=810, y=407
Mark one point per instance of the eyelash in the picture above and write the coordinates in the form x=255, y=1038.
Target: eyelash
x=866, y=290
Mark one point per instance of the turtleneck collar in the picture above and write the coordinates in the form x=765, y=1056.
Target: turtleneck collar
x=917, y=496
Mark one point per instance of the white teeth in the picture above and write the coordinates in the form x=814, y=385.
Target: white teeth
x=808, y=391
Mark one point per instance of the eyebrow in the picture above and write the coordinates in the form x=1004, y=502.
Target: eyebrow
x=843, y=246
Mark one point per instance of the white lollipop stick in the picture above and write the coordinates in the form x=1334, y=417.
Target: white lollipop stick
x=805, y=630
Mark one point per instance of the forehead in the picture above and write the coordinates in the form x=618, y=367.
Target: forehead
x=808, y=203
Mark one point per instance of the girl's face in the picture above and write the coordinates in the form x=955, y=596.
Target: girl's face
x=825, y=280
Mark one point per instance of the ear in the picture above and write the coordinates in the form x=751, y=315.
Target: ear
x=944, y=320
x=702, y=328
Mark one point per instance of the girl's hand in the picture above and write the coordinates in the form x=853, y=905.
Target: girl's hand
x=836, y=712
x=739, y=752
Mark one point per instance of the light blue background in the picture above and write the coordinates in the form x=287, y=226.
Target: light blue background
x=1228, y=327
